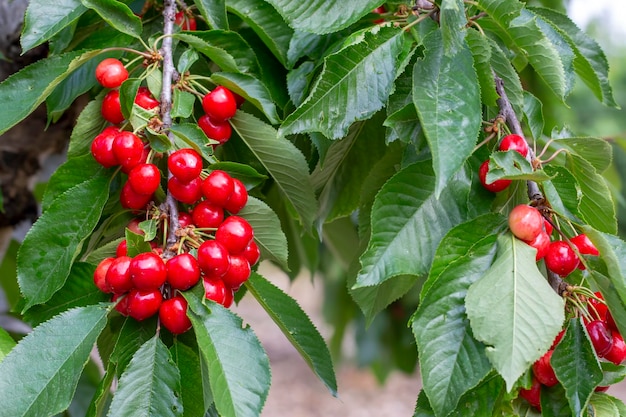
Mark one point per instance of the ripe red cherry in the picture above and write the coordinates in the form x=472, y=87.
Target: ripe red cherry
x=111, y=108
x=128, y=150
x=215, y=289
x=129, y=199
x=185, y=21
x=220, y=104
x=548, y=226
x=183, y=271
x=102, y=147
x=111, y=73
x=188, y=193
x=118, y=275
x=584, y=245
x=184, y=219
x=252, y=253
x=229, y=297
x=143, y=304
x=525, y=222
x=610, y=321
x=145, y=100
x=561, y=259
x=213, y=258
x=122, y=249
x=235, y=233
x=217, y=187
x=601, y=337
x=238, y=198
x=494, y=187
x=216, y=130
x=122, y=305
x=543, y=370
x=133, y=226
x=542, y=244
x=208, y=215
x=144, y=179
x=147, y=271
x=514, y=142
x=173, y=315
x=533, y=394
x=185, y=164
x=617, y=354
x=238, y=273
x=597, y=307
x=99, y=275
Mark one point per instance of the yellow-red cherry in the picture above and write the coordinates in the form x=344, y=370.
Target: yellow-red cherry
x=525, y=222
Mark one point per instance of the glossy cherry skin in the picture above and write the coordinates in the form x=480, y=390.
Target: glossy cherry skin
x=597, y=307
x=617, y=354
x=252, y=253
x=122, y=305
x=238, y=198
x=183, y=271
x=185, y=164
x=494, y=187
x=213, y=258
x=147, y=271
x=514, y=142
x=118, y=275
x=184, y=21
x=235, y=233
x=533, y=394
x=542, y=244
x=584, y=245
x=144, y=304
x=188, y=193
x=601, y=337
x=215, y=289
x=561, y=259
x=216, y=130
x=217, y=187
x=144, y=179
x=99, y=275
x=111, y=73
x=145, y=100
x=129, y=199
x=122, y=249
x=238, y=273
x=111, y=108
x=220, y=104
x=547, y=226
x=207, y=215
x=184, y=219
x=525, y=222
x=379, y=10
x=128, y=150
x=102, y=147
x=173, y=315
x=543, y=371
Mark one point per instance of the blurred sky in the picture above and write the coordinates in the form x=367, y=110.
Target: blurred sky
x=610, y=12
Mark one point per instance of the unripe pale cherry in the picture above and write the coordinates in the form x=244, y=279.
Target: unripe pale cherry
x=525, y=222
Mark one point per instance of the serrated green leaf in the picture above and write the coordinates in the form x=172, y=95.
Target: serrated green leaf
x=323, y=17
x=61, y=230
x=447, y=97
x=214, y=12
x=60, y=348
x=554, y=402
x=453, y=21
x=451, y=360
x=482, y=400
x=182, y=104
x=186, y=60
x=603, y=405
x=28, y=88
x=533, y=111
x=136, y=243
x=116, y=14
x=402, y=118
x=128, y=92
x=245, y=173
x=150, y=384
x=192, y=391
x=598, y=152
x=299, y=80
x=611, y=373
x=267, y=231
x=121, y=338
x=513, y=166
x=284, y=162
x=237, y=363
x=296, y=326
x=189, y=135
x=481, y=52
x=44, y=19
x=562, y=192
x=525, y=314
x=512, y=84
x=6, y=343
x=335, y=101
x=88, y=125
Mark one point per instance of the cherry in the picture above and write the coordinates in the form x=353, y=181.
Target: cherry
x=525, y=222
x=610, y=321
x=215, y=289
x=597, y=307
x=220, y=104
x=217, y=187
x=379, y=10
x=238, y=273
x=185, y=21
x=216, y=130
x=584, y=245
x=184, y=219
x=213, y=258
x=122, y=305
x=143, y=304
x=238, y=198
x=188, y=193
x=533, y=394
x=133, y=226
x=111, y=108
x=99, y=275
x=145, y=100
x=601, y=337
x=548, y=226
x=183, y=271
x=252, y=253
x=122, y=249
x=561, y=259
x=543, y=370
x=185, y=164
x=497, y=185
x=542, y=244
x=111, y=73
x=229, y=297
x=208, y=215
x=147, y=271
x=617, y=354
x=131, y=200
x=118, y=275
x=144, y=179
x=173, y=315
x=514, y=142
x=235, y=233
x=557, y=339
x=102, y=147
x=128, y=150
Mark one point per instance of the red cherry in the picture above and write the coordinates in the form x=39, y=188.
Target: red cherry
x=601, y=337
x=557, y=339
x=219, y=131
x=144, y=179
x=185, y=164
x=111, y=73
x=617, y=354
x=111, y=108
x=597, y=307
x=561, y=259
x=188, y=193
x=207, y=215
x=128, y=150
x=122, y=249
x=235, y=233
x=173, y=315
x=217, y=187
x=133, y=226
x=145, y=100
x=122, y=305
x=213, y=258
x=184, y=21
x=252, y=253
x=102, y=147
x=494, y=187
x=525, y=222
x=220, y=104
x=99, y=275
x=183, y=271
x=543, y=370
x=610, y=321
x=118, y=275
x=238, y=273
x=533, y=394
x=542, y=244
x=184, y=219
x=547, y=226
x=238, y=198
x=131, y=200
x=514, y=142
x=147, y=271
x=143, y=304
x=214, y=289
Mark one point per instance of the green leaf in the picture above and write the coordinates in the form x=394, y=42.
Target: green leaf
x=238, y=366
x=481, y=400
x=326, y=17
x=189, y=135
x=128, y=92
x=451, y=360
x=296, y=326
x=284, y=162
x=88, y=125
x=150, y=385
x=192, y=391
x=6, y=344
x=336, y=101
x=116, y=14
x=245, y=173
x=402, y=116
x=576, y=366
x=512, y=165
x=121, y=338
x=603, y=405
x=447, y=97
x=481, y=52
x=598, y=152
x=562, y=192
x=554, y=402
x=182, y=104
x=525, y=314
x=612, y=374
x=29, y=87
x=533, y=111
x=214, y=12
x=136, y=243
x=61, y=230
x=590, y=63
x=512, y=84
x=44, y=19
x=453, y=26
x=39, y=376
